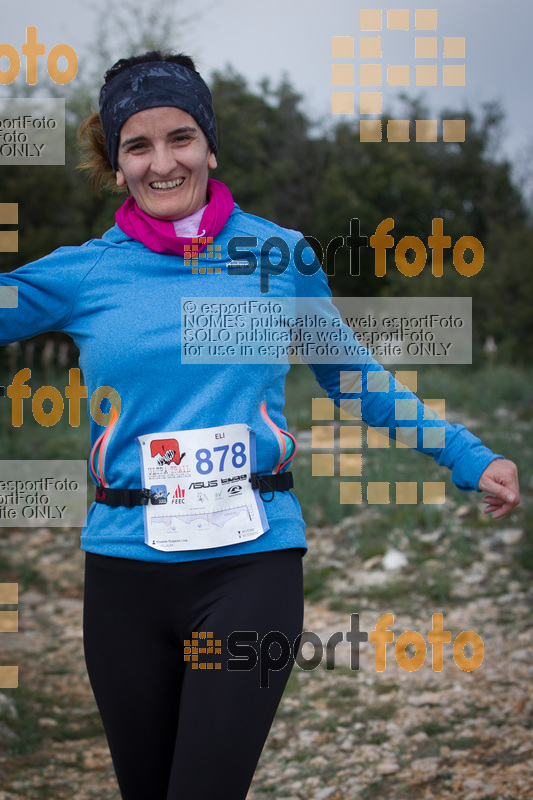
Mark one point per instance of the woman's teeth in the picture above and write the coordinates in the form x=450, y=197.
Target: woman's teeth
x=167, y=184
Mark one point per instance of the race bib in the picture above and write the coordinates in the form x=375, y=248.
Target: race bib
x=200, y=490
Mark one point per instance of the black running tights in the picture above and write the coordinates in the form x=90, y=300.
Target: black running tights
x=174, y=732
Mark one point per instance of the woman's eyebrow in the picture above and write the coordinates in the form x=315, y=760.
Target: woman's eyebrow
x=134, y=139
x=184, y=129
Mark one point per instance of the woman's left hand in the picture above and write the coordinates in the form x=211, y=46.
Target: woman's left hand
x=500, y=479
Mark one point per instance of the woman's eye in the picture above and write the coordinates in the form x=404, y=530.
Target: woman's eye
x=138, y=146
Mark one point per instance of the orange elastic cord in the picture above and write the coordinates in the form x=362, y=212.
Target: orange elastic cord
x=293, y=452
x=99, y=449
x=283, y=443
x=94, y=473
x=103, y=446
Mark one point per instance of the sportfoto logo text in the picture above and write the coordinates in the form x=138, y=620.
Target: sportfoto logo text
x=274, y=651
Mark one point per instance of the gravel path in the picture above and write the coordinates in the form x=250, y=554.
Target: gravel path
x=339, y=734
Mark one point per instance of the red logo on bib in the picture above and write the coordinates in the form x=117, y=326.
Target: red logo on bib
x=166, y=451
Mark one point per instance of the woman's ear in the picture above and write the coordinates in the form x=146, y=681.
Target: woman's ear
x=121, y=180
x=212, y=161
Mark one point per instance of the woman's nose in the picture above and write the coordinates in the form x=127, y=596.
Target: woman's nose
x=163, y=161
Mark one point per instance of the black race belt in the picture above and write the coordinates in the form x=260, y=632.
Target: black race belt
x=128, y=498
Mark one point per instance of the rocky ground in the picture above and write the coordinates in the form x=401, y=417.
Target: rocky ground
x=340, y=733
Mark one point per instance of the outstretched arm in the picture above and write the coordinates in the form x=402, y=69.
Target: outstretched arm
x=473, y=465
x=46, y=292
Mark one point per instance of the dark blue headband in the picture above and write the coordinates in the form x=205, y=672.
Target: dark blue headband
x=152, y=84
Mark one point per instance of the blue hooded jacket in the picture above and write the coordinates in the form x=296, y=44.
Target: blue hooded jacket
x=121, y=303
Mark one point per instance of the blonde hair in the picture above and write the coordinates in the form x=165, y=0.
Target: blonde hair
x=94, y=156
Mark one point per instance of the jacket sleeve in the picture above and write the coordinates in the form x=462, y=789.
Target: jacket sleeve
x=365, y=390
x=46, y=292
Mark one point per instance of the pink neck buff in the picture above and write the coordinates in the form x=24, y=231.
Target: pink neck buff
x=159, y=235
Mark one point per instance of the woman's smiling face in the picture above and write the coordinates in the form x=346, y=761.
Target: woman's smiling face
x=164, y=158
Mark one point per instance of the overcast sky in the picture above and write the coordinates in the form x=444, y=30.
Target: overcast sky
x=294, y=37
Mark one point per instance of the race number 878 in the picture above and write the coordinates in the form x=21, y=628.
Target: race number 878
x=204, y=465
